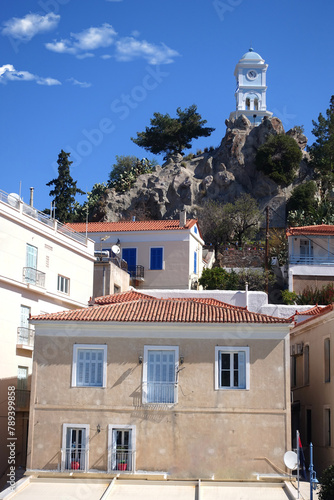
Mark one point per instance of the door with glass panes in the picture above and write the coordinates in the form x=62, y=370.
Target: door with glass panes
x=75, y=448
x=122, y=450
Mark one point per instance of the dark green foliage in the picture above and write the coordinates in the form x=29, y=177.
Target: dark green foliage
x=322, y=296
x=323, y=213
x=279, y=158
x=303, y=197
x=94, y=207
x=218, y=278
x=322, y=150
x=65, y=189
x=289, y=298
x=173, y=135
x=327, y=484
x=126, y=171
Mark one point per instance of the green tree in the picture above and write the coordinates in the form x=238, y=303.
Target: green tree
x=245, y=216
x=65, y=189
x=322, y=150
x=215, y=225
x=279, y=158
x=94, y=207
x=126, y=170
x=303, y=196
x=323, y=213
x=327, y=484
x=173, y=135
x=218, y=278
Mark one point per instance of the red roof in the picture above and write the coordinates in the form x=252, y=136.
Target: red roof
x=163, y=311
x=322, y=229
x=121, y=297
x=322, y=310
x=145, y=225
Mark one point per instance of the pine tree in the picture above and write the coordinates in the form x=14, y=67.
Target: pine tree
x=322, y=150
x=65, y=189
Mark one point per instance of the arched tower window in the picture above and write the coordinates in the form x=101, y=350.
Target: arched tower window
x=247, y=103
x=256, y=104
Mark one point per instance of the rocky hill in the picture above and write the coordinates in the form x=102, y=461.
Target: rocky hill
x=221, y=174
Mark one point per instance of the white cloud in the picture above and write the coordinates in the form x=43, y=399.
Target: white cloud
x=27, y=27
x=83, y=85
x=90, y=39
x=9, y=73
x=129, y=48
x=106, y=56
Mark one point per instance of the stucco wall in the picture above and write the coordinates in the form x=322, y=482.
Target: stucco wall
x=227, y=433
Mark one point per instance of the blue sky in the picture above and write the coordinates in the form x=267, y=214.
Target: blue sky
x=86, y=75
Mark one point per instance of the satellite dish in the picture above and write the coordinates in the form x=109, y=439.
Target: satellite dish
x=14, y=200
x=115, y=249
x=291, y=460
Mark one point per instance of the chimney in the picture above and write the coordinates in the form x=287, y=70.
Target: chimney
x=183, y=218
x=31, y=197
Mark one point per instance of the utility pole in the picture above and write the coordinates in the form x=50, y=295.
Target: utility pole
x=266, y=258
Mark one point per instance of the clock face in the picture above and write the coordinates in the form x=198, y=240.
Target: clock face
x=251, y=74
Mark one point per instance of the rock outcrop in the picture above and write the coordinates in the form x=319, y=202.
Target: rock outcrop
x=222, y=174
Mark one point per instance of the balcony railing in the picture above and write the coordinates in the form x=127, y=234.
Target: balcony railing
x=74, y=458
x=33, y=276
x=136, y=272
x=22, y=401
x=305, y=260
x=159, y=392
x=122, y=460
x=25, y=336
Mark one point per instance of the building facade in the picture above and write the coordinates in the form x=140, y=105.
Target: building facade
x=147, y=385
x=163, y=254
x=44, y=267
x=250, y=93
x=311, y=256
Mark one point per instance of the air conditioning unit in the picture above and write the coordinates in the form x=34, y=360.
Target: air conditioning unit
x=293, y=350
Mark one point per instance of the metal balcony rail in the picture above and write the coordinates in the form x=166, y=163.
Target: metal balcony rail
x=22, y=399
x=311, y=260
x=41, y=216
x=136, y=272
x=25, y=336
x=122, y=459
x=159, y=392
x=33, y=276
x=74, y=458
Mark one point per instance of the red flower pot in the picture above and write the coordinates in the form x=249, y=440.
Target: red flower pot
x=75, y=465
x=122, y=466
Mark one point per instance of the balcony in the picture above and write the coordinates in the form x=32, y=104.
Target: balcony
x=136, y=272
x=25, y=337
x=74, y=459
x=33, y=276
x=122, y=459
x=305, y=260
x=159, y=392
x=22, y=400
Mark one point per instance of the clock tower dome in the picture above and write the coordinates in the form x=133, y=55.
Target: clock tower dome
x=250, y=93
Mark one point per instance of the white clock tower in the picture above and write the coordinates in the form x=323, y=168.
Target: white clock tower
x=250, y=93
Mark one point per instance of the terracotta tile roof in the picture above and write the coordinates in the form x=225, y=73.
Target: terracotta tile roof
x=121, y=297
x=322, y=311
x=309, y=312
x=322, y=229
x=115, y=227
x=163, y=311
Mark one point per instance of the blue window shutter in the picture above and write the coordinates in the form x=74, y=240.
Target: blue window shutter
x=195, y=262
x=156, y=258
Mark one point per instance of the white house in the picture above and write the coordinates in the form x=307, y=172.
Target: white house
x=44, y=267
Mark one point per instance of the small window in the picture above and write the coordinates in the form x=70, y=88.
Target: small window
x=156, y=258
x=306, y=365
x=247, y=103
x=328, y=427
x=293, y=366
x=195, y=262
x=63, y=284
x=231, y=368
x=195, y=230
x=89, y=365
x=159, y=374
x=117, y=289
x=256, y=104
x=327, y=355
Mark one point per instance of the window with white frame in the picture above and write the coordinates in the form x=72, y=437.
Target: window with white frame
x=63, y=284
x=89, y=365
x=121, y=447
x=232, y=367
x=74, y=452
x=156, y=258
x=160, y=371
